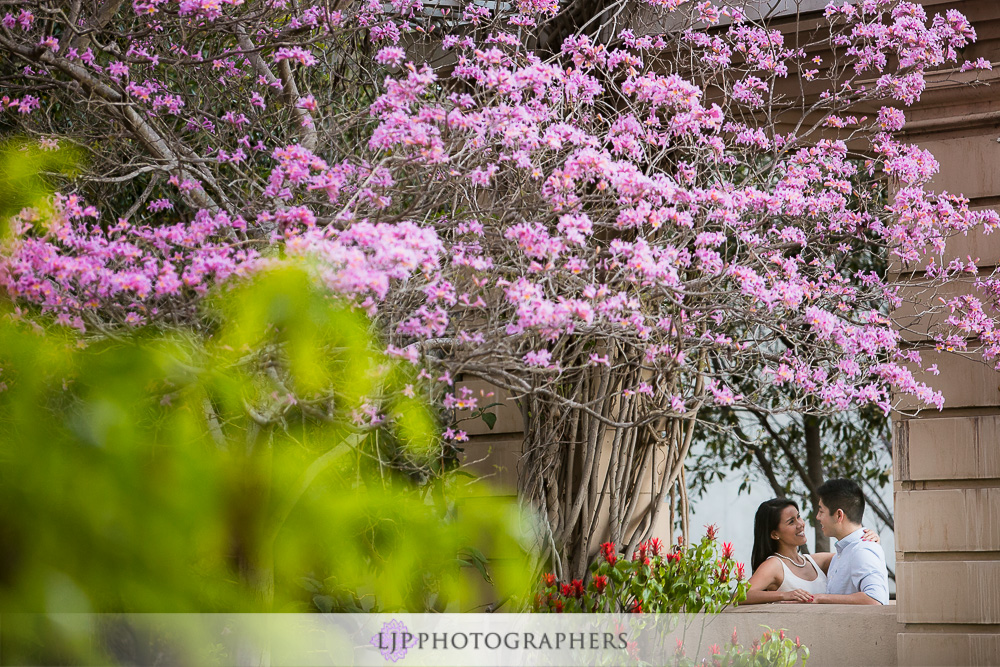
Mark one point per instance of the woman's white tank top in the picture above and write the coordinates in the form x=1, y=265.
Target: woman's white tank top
x=791, y=582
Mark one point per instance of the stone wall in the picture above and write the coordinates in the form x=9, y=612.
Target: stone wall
x=947, y=464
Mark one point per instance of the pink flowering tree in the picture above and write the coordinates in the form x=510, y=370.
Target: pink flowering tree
x=646, y=215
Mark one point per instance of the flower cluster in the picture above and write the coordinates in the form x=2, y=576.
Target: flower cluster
x=363, y=260
x=687, y=577
x=128, y=274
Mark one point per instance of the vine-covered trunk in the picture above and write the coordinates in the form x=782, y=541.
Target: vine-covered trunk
x=596, y=470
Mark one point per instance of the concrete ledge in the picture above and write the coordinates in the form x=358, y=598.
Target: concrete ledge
x=837, y=635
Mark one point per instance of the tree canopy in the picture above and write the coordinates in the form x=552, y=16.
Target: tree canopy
x=656, y=217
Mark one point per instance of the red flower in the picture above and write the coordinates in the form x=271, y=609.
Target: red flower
x=734, y=640
x=549, y=578
x=656, y=546
x=567, y=590
x=727, y=550
x=781, y=635
x=559, y=606
x=680, y=648
x=608, y=551
x=636, y=607
x=798, y=642
x=714, y=649
x=600, y=583
x=740, y=574
x=577, y=588
x=711, y=530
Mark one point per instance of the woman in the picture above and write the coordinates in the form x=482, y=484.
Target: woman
x=780, y=572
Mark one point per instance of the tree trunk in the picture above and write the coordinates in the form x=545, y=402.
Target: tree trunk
x=814, y=467
x=257, y=580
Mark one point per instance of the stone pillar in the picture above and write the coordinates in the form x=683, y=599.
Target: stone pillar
x=947, y=464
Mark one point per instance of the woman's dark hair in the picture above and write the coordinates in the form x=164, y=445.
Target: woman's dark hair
x=764, y=523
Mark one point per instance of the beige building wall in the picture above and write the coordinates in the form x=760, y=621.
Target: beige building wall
x=947, y=464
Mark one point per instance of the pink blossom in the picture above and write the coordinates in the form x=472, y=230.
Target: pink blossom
x=50, y=43
x=298, y=54
x=979, y=63
x=390, y=55
x=539, y=358
x=118, y=69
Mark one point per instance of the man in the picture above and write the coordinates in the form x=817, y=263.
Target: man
x=857, y=573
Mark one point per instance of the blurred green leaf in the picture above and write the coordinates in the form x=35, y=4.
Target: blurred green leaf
x=23, y=164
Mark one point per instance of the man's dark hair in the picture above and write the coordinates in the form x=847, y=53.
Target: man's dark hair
x=843, y=494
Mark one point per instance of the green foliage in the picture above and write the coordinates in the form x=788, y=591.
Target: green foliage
x=23, y=165
x=167, y=473
x=854, y=445
x=690, y=578
x=773, y=649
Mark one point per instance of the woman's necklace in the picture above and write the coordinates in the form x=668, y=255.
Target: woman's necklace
x=802, y=564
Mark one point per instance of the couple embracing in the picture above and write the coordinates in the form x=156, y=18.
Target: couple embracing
x=855, y=573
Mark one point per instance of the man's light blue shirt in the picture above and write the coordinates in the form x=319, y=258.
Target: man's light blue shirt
x=858, y=566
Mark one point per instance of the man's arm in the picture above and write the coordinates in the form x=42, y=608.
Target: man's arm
x=868, y=577
x=854, y=598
